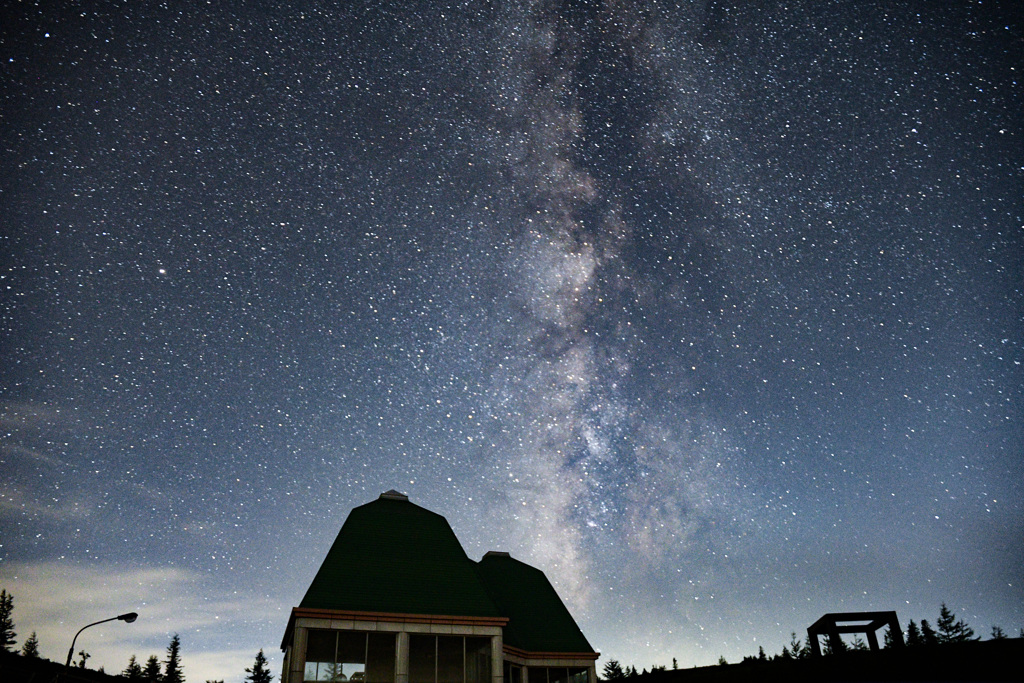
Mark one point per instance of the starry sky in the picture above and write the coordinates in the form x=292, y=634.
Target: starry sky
x=712, y=311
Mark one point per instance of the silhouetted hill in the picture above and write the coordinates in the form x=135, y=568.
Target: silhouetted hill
x=14, y=668
x=976, y=661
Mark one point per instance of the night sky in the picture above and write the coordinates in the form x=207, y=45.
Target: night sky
x=711, y=311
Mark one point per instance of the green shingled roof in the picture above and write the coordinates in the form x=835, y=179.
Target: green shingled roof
x=394, y=556
x=538, y=620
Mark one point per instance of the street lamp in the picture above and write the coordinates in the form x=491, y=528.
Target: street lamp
x=128, y=618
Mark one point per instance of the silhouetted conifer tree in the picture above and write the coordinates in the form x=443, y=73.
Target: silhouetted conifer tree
x=796, y=649
x=31, y=647
x=172, y=665
x=890, y=639
x=928, y=634
x=7, y=633
x=858, y=643
x=834, y=646
x=998, y=633
x=612, y=670
x=133, y=672
x=259, y=673
x=914, y=637
x=951, y=629
x=151, y=672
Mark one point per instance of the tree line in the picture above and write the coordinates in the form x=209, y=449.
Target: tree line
x=948, y=629
x=152, y=672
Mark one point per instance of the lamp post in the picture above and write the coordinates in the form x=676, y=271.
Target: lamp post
x=128, y=618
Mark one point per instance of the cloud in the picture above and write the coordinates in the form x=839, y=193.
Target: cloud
x=30, y=432
x=19, y=502
x=55, y=599
x=16, y=415
x=32, y=454
x=23, y=423
x=225, y=665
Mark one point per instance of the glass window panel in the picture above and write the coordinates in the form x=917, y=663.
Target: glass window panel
x=478, y=660
x=351, y=657
x=332, y=672
x=449, y=659
x=579, y=675
x=320, y=646
x=380, y=658
x=422, y=658
x=557, y=674
x=351, y=646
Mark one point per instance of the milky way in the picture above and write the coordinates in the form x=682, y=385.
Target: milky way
x=711, y=312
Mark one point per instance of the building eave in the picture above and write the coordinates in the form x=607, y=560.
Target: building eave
x=526, y=654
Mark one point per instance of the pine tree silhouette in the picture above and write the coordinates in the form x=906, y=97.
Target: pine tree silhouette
x=259, y=673
x=7, y=633
x=612, y=671
x=798, y=650
x=133, y=672
x=151, y=674
x=928, y=634
x=914, y=637
x=951, y=629
x=890, y=639
x=31, y=647
x=172, y=665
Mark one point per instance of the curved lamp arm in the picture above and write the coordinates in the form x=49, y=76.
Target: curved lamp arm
x=128, y=618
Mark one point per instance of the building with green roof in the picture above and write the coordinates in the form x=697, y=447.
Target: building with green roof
x=397, y=600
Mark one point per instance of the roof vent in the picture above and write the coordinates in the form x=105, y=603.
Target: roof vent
x=496, y=553
x=394, y=495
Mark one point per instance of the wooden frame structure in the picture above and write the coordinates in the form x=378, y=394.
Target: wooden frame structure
x=833, y=624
